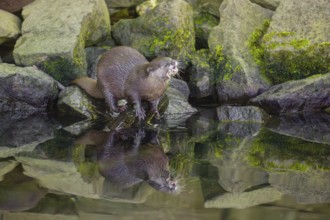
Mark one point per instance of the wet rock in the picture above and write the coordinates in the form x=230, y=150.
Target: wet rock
x=309, y=127
x=25, y=89
x=167, y=30
x=10, y=26
x=69, y=27
x=14, y=5
x=201, y=76
x=245, y=199
x=269, y=4
x=178, y=103
x=240, y=76
x=296, y=44
x=306, y=95
x=242, y=114
x=76, y=103
x=306, y=188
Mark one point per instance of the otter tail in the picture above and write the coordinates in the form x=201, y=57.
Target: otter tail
x=90, y=86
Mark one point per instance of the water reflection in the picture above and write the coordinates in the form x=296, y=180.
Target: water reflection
x=128, y=157
x=232, y=170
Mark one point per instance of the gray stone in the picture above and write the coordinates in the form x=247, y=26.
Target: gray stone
x=10, y=26
x=76, y=103
x=167, y=30
x=178, y=103
x=296, y=43
x=270, y=4
x=305, y=95
x=201, y=76
x=180, y=85
x=25, y=89
x=242, y=114
x=13, y=5
x=55, y=33
x=240, y=76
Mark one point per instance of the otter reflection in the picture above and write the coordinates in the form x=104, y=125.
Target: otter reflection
x=128, y=157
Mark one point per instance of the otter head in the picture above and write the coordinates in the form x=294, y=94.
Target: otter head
x=164, y=182
x=163, y=68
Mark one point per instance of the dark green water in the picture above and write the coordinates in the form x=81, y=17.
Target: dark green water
x=220, y=170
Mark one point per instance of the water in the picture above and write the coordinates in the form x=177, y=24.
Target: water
x=194, y=168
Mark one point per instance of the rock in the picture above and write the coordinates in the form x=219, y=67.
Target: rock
x=25, y=89
x=240, y=76
x=76, y=103
x=55, y=34
x=180, y=85
x=310, y=127
x=6, y=167
x=269, y=4
x=123, y=3
x=297, y=42
x=167, y=30
x=10, y=26
x=204, y=23
x=92, y=56
x=245, y=199
x=201, y=76
x=14, y=5
x=146, y=7
x=209, y=6
x=305, y=95
x=242, y=114
x=178, y=103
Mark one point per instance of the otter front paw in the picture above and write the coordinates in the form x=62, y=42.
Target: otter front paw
x=140, y=113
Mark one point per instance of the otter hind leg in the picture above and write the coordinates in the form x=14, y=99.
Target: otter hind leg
x=111, y=100
x=154, y=107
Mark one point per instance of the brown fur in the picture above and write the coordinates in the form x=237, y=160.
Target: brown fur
x=124, y=73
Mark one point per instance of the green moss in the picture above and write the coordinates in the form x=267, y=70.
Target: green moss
x=282, y=57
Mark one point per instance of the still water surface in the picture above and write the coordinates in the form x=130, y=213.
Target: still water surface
x=192, y=168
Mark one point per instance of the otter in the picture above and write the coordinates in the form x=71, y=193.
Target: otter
x=124, y=73
x=131, y=156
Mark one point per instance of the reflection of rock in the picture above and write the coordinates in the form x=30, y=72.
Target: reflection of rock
x=245, y=199
x=19, y=192
x=310, y=127
x=238, y=130
x=306, y=188
x=274, y=151
x=23, y=134
x=241, y=113
x=6, y=167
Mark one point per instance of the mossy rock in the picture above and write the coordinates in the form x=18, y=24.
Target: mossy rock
x=295, y=44
x=204, y=23
x=167, y=30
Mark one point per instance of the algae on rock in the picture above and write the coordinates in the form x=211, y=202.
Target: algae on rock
x=55, y=33
x=167, y=30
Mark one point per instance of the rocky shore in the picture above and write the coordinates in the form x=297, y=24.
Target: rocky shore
x=273, y=54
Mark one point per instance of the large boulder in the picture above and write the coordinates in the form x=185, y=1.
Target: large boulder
x=55, y=34
x=166, y=30
x=305, y=95
x=297, y=43
x=25, y=89
x=242, y=114
x=10, y=26
x=240, y=77
x=14, y=5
